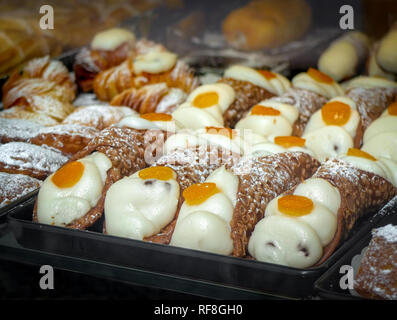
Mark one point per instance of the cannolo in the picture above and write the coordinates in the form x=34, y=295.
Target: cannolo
x=98, y=116
x=151, y=98
x=15, y=186
x=334, y=129
x=372, y=96
x=67, y=138
x=107, y=49
x=376, y=276
x=250, y=86
x=145, y=206
x=12, y=130
x=373, y=68
x=342, y=59
x=380, y=138
x=25, y=158
x=310, y=91
x=386, y=54
x=74, y=195
x=148, y=68
x=305, y=225
x=220, y=214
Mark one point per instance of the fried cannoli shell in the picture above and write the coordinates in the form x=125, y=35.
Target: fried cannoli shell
x=361, y=192
x=191, y=166
x=307, y=102
x=125, y=148
x=268, y=177
x=68, y=139
x=247, y=95
x=371, y=102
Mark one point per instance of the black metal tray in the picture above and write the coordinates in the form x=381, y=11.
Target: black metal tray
x=328, y=285
x=225, y=270
x=4, y=210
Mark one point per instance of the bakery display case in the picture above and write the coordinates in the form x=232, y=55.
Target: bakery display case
x=247, y=152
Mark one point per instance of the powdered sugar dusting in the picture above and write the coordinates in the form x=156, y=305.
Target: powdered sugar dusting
x=388, y=232
x=18, y=129
x=71, y=130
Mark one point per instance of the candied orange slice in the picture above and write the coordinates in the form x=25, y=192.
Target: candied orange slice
x=336, y=113
x=354, y=152
x=259, y=110
x=319, y=76
x=227, y=132
x=158, y=173
x=199, y=192
x=268, y=75
x=154, y=116
x=392, y=109
x=68, y=175
x=206, y=99
x=294, y=205
x=289, y=141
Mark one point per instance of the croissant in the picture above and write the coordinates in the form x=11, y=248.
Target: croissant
x=151, y=98
x=109, y=83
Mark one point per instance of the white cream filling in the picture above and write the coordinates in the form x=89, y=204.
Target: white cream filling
x=61, y=206
x=364, y=164
x=390, y=168
x=382, y=145
x=112, y=38
x=381, y=125
x=266, y=125
x=304, y=81
x=369, y=82
x=154, y=62
x=194, y=118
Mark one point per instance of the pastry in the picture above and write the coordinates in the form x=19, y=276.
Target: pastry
x=145, y=206
x=74, y=196
x=266, y=24
x=372, y=96
x=305, y=225
x=97, y=116
x=17, y=130
x=342, y=59
x=380, y=138
x=25, y=158
x=220, y=214
x=148, y=68
x=67, y=138
x=386, y=56
x=151, y=98
x=376, y=277
x=22, y=114
x=334, y=129
x=373, y=68
x=15, y=186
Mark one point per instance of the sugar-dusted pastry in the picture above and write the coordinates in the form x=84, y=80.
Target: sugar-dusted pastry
x=156, y=97
x=107, y=49
x=44, y=86
x=251, y=86
x=279, y=144
x=376, y=277
x=345, y=55
x=25, y=158
x=147, y=68
x=220, y=214
x=98, y=116
x=67, y=138
x=23, y=114
x=305, y=225
x=17, y=130
x=15, y=186
x=386, y=54
x=334, y=128
x=372, y=96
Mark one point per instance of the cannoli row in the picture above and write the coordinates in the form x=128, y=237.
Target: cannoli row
x=25, y=158
x=151, y=98
x=343, y=58
x=15, y=186
x=145, y=206
x=12, y=130
x=98, y=116
x=67, y=138
x=380, y=138
x=305, y=225
x=333, y=129
x=74, y=195
x=372, y=96
x=250, y=86
x=148, y=68
x=220, y=214
x=224, y=103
